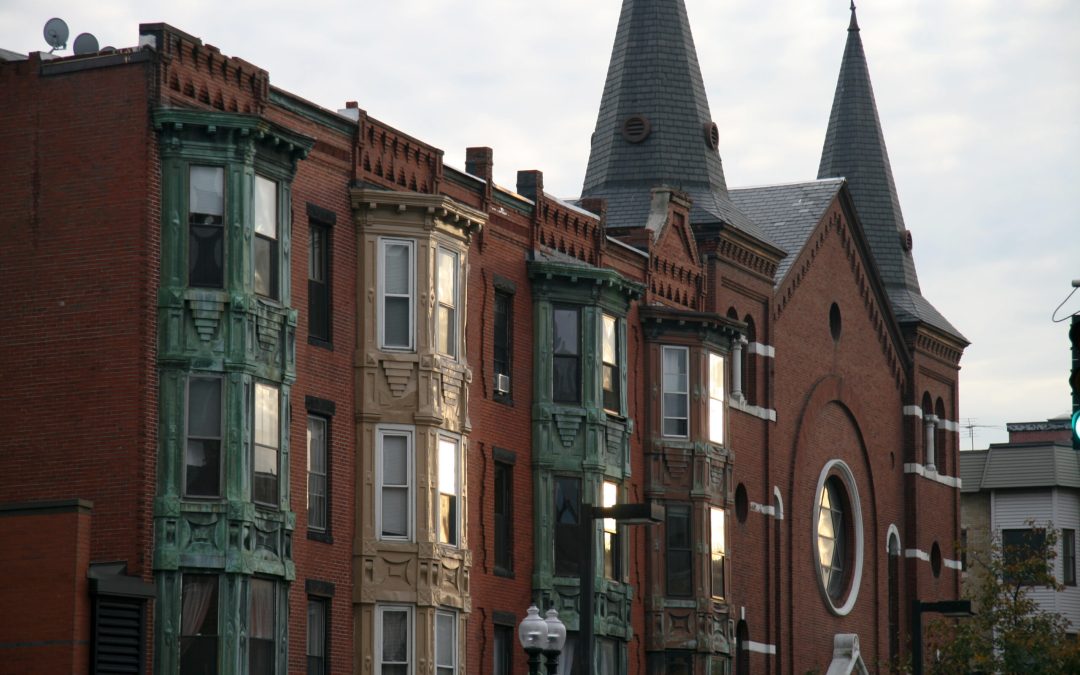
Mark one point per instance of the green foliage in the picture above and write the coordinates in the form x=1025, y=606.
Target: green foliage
x=1010, y=632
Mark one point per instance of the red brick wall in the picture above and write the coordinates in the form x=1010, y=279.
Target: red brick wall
x=79, y=271
x=45, y=554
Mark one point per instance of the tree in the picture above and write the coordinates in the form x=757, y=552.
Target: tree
x=1010, y=632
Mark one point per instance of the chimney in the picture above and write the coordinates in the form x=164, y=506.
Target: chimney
x=530, y=184
x=480, y=162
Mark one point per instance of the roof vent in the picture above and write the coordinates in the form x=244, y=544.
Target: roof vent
x=712, y=135
x=905, y=240
x=636, y=128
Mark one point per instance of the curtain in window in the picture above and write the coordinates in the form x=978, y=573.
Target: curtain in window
x=198, y=594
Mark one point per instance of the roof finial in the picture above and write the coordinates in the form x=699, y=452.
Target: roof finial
x=854, y=25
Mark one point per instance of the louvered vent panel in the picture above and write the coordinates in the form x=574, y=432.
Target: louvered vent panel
x=118, y=636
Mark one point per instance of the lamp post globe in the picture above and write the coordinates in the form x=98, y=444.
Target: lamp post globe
x=556, y=639
x=533, y=636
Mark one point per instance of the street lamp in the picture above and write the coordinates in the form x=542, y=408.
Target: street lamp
x=542, y=636
x=956, y=609
x=648, y=513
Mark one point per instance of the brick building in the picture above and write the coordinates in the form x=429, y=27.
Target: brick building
x=289, y=394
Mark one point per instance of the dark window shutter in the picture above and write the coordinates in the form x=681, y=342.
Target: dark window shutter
x=118, y=636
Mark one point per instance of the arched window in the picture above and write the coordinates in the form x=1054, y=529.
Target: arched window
x=941, y=447
x=749, y=370
x=894, y=600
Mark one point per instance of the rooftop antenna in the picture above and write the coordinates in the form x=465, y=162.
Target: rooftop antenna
x=56, y=34
x=85, y=43
x=971, y=427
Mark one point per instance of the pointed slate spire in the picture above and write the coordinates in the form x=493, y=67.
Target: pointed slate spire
x=654, y=126
x=855, y=149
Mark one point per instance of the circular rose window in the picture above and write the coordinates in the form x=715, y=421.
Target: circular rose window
x=838, y=537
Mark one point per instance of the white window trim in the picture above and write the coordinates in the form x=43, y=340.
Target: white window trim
x=838, y=468
x=663, y=392
x=456, y=440
x=454, y=340
x=380, y=273
x=379, y=611
x=454, y=640
x=326, y=474
x=409, y=433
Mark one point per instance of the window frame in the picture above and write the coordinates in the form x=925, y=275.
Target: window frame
x=220, y=437
x=324, y=604
x=664, y=392
x=716, y=405
x=612, y=541
x=575, y=356
x=502, y=340
x=441, y=669
x=251, y=638
x=256, y=446
x=410, y=629
x=502, y=660
x=503, y=522
x=216, y=604
x=273, y=290
x=615, y=366
x=222, y=230
x=1068, y=556
x=454, y=538
x=409, y=433
x=410, y=245
x=453, y=311
x=717, y=553
x=571, y=531
x=672, y=508
x=325, y=475
x=319, y=290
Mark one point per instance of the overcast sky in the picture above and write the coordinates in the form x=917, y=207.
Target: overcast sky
x=979, y=101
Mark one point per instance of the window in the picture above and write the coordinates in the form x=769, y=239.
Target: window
x=449, y=489
x=504, y=644
x=678, y=663
x=317, y=613
x=393, y=640
x=676, y=402
x=202, y=455
x=267, y=445
x=266, y=237
x=612, y=555
x=831, y=538
x=716, y=551
x=206, y=226
x=568, y=526
x=609, y=656
x=504, y=517
x=261, y=627
x=716, y=398
x=319, y=281
x=679, y=559
x=199, y=625
x=445, y=643
x=447, y=291
x=1024, y=555
x=502, y=340
x=1068, y=557
x=396, y=291
x=317, y=473
x=394, y=469
x=566, y=362
x=611, y=371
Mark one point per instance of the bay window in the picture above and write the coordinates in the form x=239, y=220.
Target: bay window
x=676, y=392
x=568, y=525
x=202, y=454
x=206, y=226
x=447, y=311
x=566, y=356
x=449, y=490
x=445, y=643
x=716, y=398
x=611, y=375
x=396, y=275
x=393, y=640
x=394, y=469
x=265, y=264
x=262, y=617
x=716, y=551
x=199, y=632
x=612, y=558
x=678, y=560
x=267, y=445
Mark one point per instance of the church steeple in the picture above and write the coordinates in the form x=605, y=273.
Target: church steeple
x=855, y=149
x=654, y=126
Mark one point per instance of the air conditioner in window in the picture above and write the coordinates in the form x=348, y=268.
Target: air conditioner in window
x=502, y=383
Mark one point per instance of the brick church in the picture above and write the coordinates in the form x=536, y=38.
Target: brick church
x=286, y=393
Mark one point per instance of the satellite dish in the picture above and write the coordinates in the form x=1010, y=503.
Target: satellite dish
x=56, y=34
x=85, y=43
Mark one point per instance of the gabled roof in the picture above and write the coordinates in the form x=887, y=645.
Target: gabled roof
x=787, y=213
x=654, y=75
x=855, y=149
x=1020, y=465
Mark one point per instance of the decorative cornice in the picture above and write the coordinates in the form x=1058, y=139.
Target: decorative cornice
x=171, y=123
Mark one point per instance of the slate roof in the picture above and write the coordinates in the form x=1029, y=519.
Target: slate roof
x=1020, y=465
x=787, y=213
x=855, y=149
x=654, y=72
